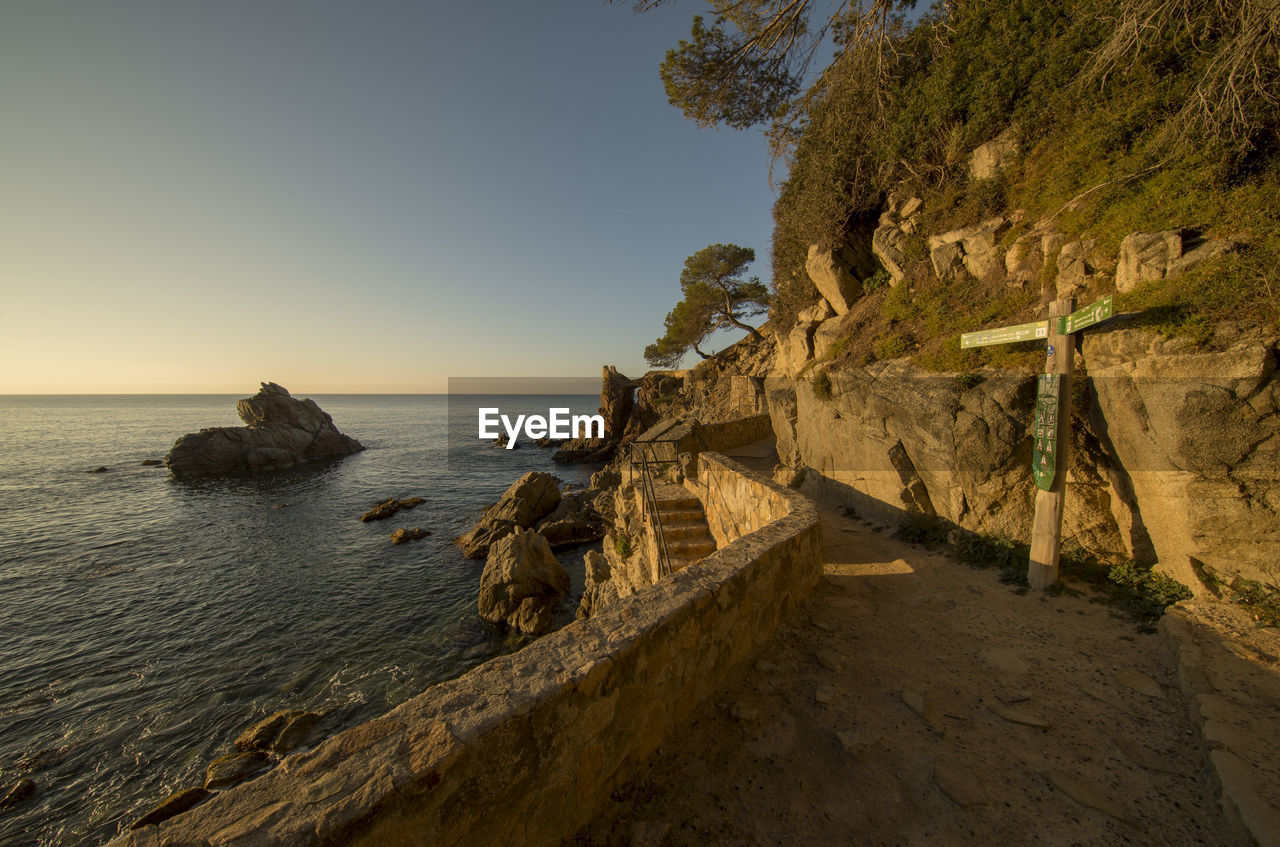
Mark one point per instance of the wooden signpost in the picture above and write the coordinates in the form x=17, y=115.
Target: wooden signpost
x=1052, y=433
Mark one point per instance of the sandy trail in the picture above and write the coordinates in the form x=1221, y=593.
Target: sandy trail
x=899, y=706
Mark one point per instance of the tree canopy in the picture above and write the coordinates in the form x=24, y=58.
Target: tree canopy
x=717, y=295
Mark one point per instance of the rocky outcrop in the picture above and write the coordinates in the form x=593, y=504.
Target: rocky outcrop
x=1174, y=453
x=1195, y=436
x=280, y=732
x=529, y=499
x=616, y=405
x=889, y=241
x=795, y=350
x=972, y=248
x=521, y=583
x=234, y=768
x=280, y=431
x=574, y=520
x=599, y=590
x=171, y=806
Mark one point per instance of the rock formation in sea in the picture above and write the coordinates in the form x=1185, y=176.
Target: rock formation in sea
x=280, y=431
x=521, y=583
x=528, y=500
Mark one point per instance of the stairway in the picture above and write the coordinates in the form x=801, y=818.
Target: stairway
x=684, y=525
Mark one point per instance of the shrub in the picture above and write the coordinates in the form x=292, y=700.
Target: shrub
x=622, y=544
x=822, y=385
x=877, y=281
x=890, y=347
x=918, y=528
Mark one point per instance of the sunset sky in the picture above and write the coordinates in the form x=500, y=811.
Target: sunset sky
x=348, y=197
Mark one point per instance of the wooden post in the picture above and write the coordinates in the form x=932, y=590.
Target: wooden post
x=1046, y=529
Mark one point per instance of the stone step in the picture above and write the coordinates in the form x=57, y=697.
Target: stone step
x=690, y=548
x=678, y=504
x=674, y=516
x=685, y=530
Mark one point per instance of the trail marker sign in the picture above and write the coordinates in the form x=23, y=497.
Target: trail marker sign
x=1044, y=459
x=1005, y=335
x=1086, y=317
x=1052, y=434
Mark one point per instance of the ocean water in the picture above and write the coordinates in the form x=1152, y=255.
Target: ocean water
x=146, y=621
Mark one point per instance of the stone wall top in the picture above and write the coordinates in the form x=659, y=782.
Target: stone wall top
x=525, y=747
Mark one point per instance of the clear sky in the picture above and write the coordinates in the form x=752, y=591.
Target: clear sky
x=339, y=196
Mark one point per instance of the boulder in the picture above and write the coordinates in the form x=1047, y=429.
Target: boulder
x=889, y=245
x=235, y=768
x=389, y=507
x=521, y=583
x=529, y=499
x=1074, y=270
x=174, y=804
x=404, y=536
x=830, y=273
x=152, y=463
x=573, y=521
x=280, y=431
x=1146, y=256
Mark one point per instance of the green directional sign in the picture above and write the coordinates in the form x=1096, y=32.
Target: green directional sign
x=1044, y=458
x=1088, y=316
x=1005, y=335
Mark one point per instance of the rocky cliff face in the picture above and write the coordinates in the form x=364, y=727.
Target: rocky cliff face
x=280, y=431
x=1175, y=455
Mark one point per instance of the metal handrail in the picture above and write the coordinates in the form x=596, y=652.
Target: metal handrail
x=651, y=500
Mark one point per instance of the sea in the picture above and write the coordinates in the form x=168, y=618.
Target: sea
x=146, y=621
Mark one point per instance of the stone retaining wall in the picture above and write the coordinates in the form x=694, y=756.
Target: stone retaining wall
x=737, y=504
x=727, y=435
x=525, y=748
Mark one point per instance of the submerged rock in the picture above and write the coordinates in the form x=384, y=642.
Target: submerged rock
x=21, y=790
x=404, y=536
x=175, y=804
x=389, y=507
x=521, y=583
x=280, y=432
x=280, y=732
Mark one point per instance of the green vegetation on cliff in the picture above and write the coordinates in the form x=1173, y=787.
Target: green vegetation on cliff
x=1136, y=116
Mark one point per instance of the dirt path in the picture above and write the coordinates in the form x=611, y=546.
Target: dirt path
x=899, y=707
